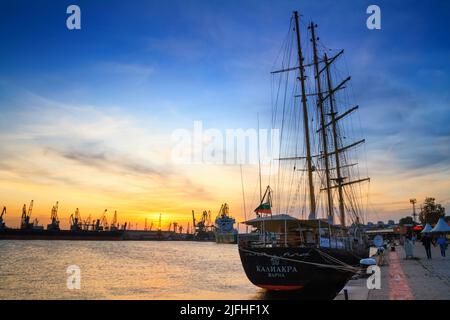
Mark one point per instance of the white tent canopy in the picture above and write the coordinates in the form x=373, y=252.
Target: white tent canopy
x=427, y=228
x=441, y=226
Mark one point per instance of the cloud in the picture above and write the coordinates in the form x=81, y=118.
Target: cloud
x=186, y=48
x=405, y=132
x=88, y=148
x=138, y=71
x=116, y=163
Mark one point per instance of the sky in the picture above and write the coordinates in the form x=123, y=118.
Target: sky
x=87, y=116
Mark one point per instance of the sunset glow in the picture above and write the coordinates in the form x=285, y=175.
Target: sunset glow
x=87, y=118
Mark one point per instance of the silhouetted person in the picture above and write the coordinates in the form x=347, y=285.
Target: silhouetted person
x=408, y=245
x=442, y=242
x=426, y=241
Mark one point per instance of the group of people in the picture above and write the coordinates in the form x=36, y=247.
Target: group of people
x=427, y=240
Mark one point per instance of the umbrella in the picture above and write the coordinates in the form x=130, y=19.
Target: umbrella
x=441, y=226
x=427, y=228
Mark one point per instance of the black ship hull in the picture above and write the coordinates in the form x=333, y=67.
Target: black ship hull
x=32, y=234
x=300, y=271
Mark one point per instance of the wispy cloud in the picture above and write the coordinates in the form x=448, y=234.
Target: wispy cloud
x=94, y=151
x=127, y=69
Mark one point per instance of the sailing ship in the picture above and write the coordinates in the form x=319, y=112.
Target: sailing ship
x=224, y=231
x=316, y=178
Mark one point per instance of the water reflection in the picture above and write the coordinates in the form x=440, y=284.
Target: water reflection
x=128, y=270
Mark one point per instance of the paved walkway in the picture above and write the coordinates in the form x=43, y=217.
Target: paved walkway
x=399, y=288
x=428, y=279
x=402, y=279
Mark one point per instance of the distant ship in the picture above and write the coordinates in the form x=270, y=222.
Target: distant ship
x=317, y=175
x=79, y=230
x=224, y=226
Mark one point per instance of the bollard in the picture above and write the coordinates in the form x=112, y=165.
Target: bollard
x=346, y=294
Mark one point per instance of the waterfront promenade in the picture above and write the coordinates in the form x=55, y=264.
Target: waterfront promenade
x=412, y=279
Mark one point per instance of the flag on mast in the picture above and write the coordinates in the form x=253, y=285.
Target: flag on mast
x=264, y=208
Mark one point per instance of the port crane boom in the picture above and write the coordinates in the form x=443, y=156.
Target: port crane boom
x=193, y=219
x=54, y=221
x=114, y=224
x=75, y=221
x=25, y=219
x=2, y=224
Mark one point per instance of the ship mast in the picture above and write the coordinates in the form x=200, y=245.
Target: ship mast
x=339, y=179
x=337, y=149
x=333, y=141
x=259, y=164
x=322, y=123
x=310, y=169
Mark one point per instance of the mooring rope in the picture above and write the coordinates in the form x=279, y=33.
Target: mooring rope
x=327, y=256
x=344, y=267
x=333, y=259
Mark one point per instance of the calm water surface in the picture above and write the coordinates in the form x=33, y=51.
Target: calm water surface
x=123, y=270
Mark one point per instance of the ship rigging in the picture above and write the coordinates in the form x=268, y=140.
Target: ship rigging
x=317, y=170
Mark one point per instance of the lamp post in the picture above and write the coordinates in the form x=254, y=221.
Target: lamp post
x=413, y=202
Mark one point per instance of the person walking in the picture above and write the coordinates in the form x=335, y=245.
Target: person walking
x=442, y=242
x=408, y=246
x=426, y=241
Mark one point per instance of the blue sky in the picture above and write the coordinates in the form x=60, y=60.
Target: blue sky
x=159, y=65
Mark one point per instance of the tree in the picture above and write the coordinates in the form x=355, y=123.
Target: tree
x=406, y=220
x=431, y=211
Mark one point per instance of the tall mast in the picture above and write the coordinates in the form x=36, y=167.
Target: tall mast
x=312, y=199
x=339, y=179
x=259, y=165
x=322, y=123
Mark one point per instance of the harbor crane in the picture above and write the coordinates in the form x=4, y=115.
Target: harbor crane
x=102, y=223
x=87, y=223
x=205, y=221
x=224, y=210
x=75, y=221
x=36, y=224
x=193, y=219
x=203, y=228
x=25, y=219
x=114, y=224
x=54, y=224
x=2, y=224
x=104, y=220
